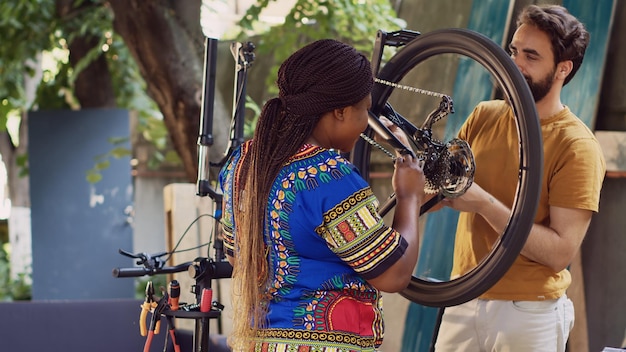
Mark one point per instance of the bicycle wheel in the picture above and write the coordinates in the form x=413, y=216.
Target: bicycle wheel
x=428, y=62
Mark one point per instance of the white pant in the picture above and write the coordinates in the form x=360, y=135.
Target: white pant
x=489, y=325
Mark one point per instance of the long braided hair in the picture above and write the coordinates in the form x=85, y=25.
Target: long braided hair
x=320, y=77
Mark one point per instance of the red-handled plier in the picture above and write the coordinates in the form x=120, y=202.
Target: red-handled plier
x=148, y=305
x=155, y=321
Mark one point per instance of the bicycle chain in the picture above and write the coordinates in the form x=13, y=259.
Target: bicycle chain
x=403, y=87
x=379, y=146
x=430, y=93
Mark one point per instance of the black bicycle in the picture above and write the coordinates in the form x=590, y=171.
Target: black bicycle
x=415, y=74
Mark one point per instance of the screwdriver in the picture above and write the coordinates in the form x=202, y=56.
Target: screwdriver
x=173, y=301
x=174, y=294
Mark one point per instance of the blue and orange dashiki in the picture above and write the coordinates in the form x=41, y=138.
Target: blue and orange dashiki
x=325, y=239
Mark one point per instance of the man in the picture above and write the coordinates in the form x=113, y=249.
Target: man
x=527, y=310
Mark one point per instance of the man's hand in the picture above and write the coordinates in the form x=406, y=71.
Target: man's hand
x=472, y=201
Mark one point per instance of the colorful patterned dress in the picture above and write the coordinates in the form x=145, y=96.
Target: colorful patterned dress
x=325, y=239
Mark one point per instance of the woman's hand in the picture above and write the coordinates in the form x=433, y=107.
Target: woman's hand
x=408, y=178
x=396, y=131
x=408, y=184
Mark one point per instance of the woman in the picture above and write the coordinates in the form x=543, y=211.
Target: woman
x=310, y=253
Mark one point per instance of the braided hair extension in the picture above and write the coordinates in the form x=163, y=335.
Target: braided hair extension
x=318, y=78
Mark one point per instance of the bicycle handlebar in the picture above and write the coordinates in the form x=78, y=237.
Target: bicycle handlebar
x=139, y=271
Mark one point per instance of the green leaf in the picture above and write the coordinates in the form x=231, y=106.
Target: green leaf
x=171, y=157
x=103, y=165
x=117, y=140
x=120, y=152
x=93, y=176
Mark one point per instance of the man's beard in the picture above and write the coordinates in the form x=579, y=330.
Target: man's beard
x=541, y=88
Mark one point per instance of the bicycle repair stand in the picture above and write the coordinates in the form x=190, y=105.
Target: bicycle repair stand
x=204, y=270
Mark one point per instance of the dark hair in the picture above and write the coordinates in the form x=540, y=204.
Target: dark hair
x=320, y=77
x=568, y=35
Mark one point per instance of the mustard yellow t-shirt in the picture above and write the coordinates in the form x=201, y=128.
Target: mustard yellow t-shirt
x=573, y=172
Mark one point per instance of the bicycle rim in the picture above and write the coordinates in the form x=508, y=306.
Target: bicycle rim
x=514, y=89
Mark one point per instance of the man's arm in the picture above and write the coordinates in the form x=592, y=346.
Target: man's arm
x=554, y=245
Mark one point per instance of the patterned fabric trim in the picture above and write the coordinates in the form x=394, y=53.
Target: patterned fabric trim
x=275, y=340
x=228, y=239
x=233, y=168
x=375, y=243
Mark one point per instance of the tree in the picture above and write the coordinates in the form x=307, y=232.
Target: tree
x=146, y=56
x=123, y=47
x=166, y=41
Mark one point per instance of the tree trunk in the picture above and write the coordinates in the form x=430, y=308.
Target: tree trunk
x=166, y=40
x=19, y=184
x=93, y=87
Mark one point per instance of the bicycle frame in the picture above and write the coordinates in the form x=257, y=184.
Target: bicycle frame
x=398, y=39
x=394, y=39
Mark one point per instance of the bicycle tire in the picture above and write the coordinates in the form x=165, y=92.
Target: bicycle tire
x=497, y=62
